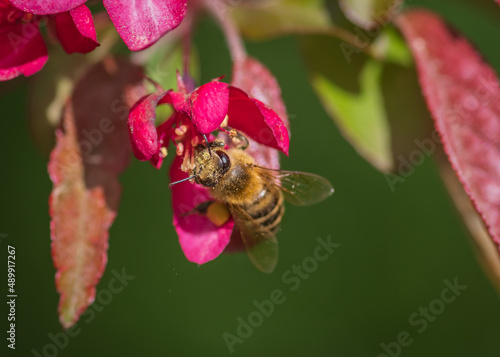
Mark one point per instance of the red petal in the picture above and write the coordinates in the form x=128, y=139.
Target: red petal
x=141, y=23
x=92, y=149
x=164, y=133
x=463, y=95
x=264, y=155
x=46, y=7
x=207, y=106
x=141, y=124
x=200, y=240
x=256, y=120
x=22, y=50
x=75, y=30
x=255, y=79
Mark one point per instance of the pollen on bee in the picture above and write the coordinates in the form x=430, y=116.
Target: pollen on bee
x=218, y=213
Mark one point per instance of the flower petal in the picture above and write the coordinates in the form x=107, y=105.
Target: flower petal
x=46, y=7
x=141, y=124
x=164, y=133
x=256, y=120
x=200, y=240
x=207, y=106
x=255, y=79
x=141, y=23
x=75, y=30
x=22, y=50
x=258, y=82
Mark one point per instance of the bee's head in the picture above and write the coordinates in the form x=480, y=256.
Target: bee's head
x=212, y=164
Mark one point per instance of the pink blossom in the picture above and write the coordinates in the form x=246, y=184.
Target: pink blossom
x=140, y=23
x=22, y=48
x=199, y=112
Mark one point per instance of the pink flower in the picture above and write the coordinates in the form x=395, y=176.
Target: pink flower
x=23, y=51
x=199, y=112
x=140, y=23
x=22, y=48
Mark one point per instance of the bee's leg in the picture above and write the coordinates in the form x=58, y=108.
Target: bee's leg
x=238, y=139
x=217, y=144
x=200, y=209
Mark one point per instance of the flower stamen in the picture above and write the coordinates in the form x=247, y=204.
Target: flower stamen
x=181, y=131
x=179, y=149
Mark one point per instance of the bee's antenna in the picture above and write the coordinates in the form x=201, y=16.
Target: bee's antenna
x=186, y=179
x=208, y=146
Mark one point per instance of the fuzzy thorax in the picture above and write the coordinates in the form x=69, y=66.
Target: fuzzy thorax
x=241, y=184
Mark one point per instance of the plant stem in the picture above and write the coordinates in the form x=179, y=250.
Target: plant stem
x=186, y=43
x=188, y=82
x=234, y=42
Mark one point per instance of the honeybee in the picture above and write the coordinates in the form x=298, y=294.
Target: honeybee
x=254, y=196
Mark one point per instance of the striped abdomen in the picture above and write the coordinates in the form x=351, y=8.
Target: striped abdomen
x=267, y=209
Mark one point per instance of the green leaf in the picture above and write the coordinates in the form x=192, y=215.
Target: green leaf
x=259, y=20
x=389, y=46
x=163, y=60
x=374, y=100
x=370, y=13
x=161, y=63
x=361, y=116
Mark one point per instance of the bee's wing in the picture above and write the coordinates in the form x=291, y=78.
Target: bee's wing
x=261, y=244
x=299, y=188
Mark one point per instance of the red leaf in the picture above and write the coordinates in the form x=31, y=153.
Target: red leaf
x=486, y=250
x=92, y=148
x=255, y=79
x=463, y=96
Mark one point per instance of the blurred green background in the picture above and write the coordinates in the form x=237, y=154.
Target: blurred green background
x=396, y=249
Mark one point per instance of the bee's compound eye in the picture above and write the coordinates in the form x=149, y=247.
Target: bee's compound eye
x=225, y=162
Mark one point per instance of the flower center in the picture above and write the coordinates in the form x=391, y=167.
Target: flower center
x=10, y=15
x=185, y=138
